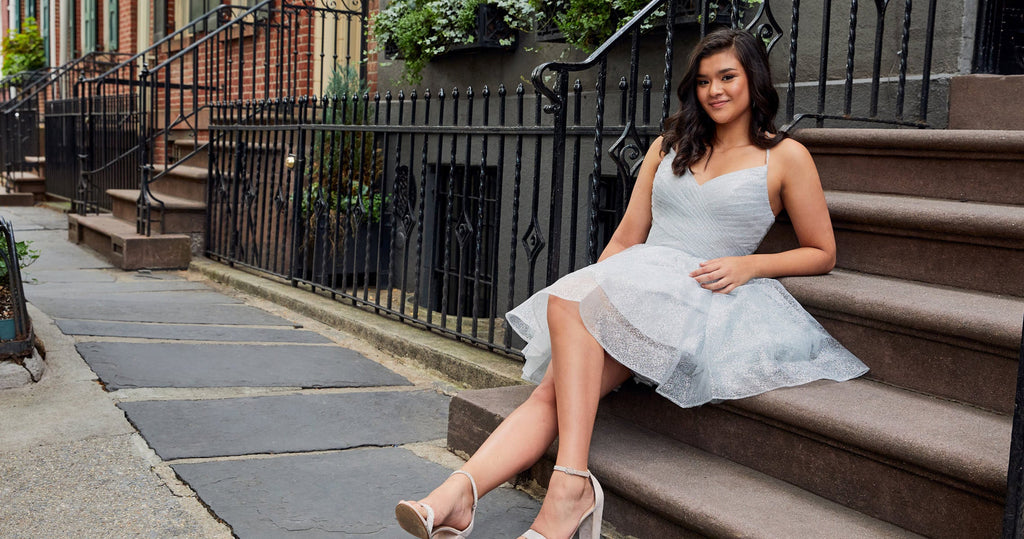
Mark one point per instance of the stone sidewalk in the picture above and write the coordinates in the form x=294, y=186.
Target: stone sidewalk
x=171, y=407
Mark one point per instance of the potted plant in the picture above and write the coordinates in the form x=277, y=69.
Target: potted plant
x=343, y=206
x=419, y=30
x=25, y=256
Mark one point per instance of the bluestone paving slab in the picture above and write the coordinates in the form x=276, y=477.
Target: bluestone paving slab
x=344, y=494
x=189, y=332
x=288, y=423
x=182, y=313
x=30, y=217
x=123, y=365
x=57, y=253
x=44, y=298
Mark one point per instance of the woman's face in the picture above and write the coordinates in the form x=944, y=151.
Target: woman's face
x=722, y=88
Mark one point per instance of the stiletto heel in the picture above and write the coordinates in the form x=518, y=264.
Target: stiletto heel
x=413, y=522
x=589, y=525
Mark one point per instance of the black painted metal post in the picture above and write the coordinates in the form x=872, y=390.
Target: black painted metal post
x=986, y=50
x=145, y=169
x=298, y=178
x=557, y=177
x=1013, y=518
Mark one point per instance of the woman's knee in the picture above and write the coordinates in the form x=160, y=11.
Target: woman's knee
x=562, y=311
x=544, y=393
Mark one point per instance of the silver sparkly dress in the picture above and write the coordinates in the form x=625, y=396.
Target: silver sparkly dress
x=693, y=345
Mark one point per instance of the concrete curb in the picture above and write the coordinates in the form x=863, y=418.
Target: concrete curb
x=29, y=371
x=463, y=364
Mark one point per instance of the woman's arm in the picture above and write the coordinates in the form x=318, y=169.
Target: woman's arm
x=801, y=195
x=636, y=223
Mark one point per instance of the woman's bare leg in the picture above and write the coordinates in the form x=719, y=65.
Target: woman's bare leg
x=520, y=440
x=578, y=367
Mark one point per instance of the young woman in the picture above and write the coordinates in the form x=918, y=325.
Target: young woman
x=676, y=300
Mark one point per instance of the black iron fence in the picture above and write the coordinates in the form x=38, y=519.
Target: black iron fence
x=63, y=131
x=433, y=207
x=22, y=116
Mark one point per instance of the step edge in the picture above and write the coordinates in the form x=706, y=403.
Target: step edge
x=123, y=230
x=982, y=464
x=169, y=202
x=1009, y=145
x=901, y=212
x=980, y=316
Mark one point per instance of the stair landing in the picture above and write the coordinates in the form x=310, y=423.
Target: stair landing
x=118, y=241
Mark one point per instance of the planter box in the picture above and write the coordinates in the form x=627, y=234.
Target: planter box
x=346, y=260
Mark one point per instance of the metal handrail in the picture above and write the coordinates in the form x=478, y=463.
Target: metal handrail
x=190, y=27
x=55, y=76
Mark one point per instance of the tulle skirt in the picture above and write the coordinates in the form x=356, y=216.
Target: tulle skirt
x=692, y=345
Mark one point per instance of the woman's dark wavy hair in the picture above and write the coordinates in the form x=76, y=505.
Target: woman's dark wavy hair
x=691, y=131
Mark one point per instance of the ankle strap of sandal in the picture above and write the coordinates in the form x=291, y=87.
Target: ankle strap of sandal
x=571, y=471
x=472, y=483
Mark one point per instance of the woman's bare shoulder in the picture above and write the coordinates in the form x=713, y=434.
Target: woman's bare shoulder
x=791, y=152
x=655, y=148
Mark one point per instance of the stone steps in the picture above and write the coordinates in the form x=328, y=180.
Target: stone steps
x=949, y=342
x=183, y=181
x=923, y=239
x=967, y=165
x=916, y=461
x=118, y=241
x=172, y=215
x=656, y=486
x=912, y=460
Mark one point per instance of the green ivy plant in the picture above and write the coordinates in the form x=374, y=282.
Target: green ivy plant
x=422, y=29
x=25, y=253
x=586, y=24
x=23, y=51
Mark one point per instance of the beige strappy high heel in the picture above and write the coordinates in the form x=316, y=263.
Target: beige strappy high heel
x=589, y=526
x=413, y=522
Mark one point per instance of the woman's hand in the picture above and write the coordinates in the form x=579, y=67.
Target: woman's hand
x=725, y=274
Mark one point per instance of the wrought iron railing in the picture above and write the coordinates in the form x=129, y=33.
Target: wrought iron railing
x=262, y=52
x=428, y=206
x=22, y=116
x=18, y=122
x=21, y=342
